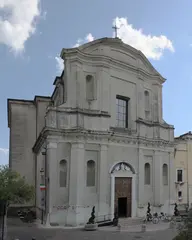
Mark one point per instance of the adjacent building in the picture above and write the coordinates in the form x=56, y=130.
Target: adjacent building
x=99, y=140
x=183, y=168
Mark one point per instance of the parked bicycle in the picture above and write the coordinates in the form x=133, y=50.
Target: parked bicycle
x=151, y=218
x=27, y=216
x=163, y=217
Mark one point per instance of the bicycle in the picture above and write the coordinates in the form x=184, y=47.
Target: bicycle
x=149, y=218
x=26, y=216
x=163, y=217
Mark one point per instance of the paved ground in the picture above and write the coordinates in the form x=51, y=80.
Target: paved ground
x=16, y=229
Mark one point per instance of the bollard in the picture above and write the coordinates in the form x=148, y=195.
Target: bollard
x=143, y=228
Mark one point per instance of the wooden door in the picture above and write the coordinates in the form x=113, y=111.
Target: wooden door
x=123, y=189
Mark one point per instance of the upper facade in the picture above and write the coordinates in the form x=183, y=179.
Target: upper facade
x=109, y=86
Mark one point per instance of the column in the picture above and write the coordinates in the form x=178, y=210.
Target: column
x=52, y=184
x=75, y=215
x=103, y=181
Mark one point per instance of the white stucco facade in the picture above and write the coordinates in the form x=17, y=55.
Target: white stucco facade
x=81, y=125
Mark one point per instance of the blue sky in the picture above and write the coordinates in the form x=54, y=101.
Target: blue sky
x=33, y=32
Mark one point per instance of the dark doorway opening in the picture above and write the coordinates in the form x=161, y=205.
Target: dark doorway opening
x=122, y=207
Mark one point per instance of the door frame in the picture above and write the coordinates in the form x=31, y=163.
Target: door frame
x=124, y=173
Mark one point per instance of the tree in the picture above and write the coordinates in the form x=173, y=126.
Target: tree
x=13, y=189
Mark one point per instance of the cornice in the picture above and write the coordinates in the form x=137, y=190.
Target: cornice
x=81, y=53
x=100, y=137
x=88, y=112
x=109, y=62
x=154, y=124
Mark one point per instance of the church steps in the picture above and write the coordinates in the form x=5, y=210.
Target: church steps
x=126, y=222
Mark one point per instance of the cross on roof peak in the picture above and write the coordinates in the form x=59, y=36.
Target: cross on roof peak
x=115, y=28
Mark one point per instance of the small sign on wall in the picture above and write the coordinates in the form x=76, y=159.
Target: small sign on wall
x=42, y=187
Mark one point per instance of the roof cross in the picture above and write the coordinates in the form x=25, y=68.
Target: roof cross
x=115, y=28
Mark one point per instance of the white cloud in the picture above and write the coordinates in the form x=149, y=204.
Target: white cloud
x=59, y=61
x=18, y=22
x=151, y=46
x=4, y=155
x=59, y=64
x=89, y=38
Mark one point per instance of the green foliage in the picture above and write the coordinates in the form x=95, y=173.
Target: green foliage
x=182, y=236
x=185, y=233
x=13, y=187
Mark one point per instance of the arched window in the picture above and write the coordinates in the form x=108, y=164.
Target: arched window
x=63, y=173
x=147, y=105
x=90, y=88
x=90, y=173
x=147, y=174
x=165, y=174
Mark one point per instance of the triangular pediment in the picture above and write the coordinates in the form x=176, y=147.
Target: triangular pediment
x=116, y=50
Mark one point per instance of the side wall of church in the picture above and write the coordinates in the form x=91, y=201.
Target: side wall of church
x=22, y=137
x=27, y=119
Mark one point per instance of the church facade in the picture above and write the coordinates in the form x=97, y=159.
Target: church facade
x=99, y=140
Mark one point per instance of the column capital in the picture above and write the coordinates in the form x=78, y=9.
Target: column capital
x=51, y=145
x=104, y=147
x=77, y=145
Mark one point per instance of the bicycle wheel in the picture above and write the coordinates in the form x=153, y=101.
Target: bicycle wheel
x=155, y=220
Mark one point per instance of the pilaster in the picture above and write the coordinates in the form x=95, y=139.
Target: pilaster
x=103, y=180
x=172, y=178
x=140, y=177
x=51, y=159
x=104, y=89
x=157, y=177
x=76, y=185
x=70, y=84
x=80, y=87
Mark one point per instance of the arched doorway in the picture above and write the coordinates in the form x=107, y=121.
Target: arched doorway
x=123, y=192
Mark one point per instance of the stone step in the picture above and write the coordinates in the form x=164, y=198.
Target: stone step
x=125, y=222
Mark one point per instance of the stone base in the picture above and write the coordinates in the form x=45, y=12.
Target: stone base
x=91, y=227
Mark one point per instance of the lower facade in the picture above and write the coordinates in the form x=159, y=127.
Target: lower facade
x=116, y=178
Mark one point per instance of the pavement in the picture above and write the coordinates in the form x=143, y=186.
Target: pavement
x=150, y=227
x=23, y=231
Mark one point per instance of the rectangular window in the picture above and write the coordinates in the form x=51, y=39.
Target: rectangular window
x=179, y=175
x=122, y=112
